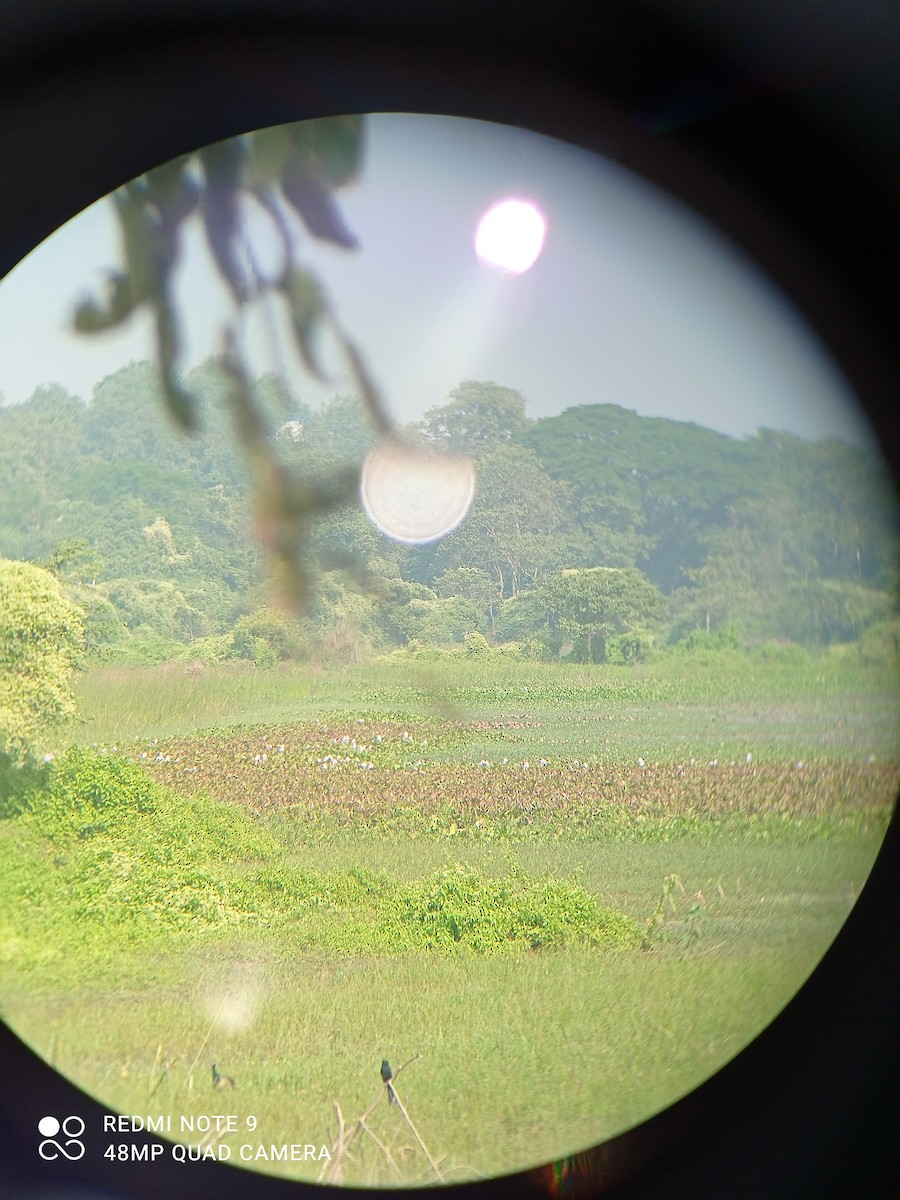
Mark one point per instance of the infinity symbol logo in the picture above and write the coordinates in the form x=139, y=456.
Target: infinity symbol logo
x=72, y=1127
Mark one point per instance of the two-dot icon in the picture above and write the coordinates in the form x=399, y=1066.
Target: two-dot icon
x=71, y=1148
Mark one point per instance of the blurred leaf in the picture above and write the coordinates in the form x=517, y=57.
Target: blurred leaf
x=175, y=194
x=307, y=305
x=180, y=404
x=283, y=168
x=366, y=384
x=333, y=147
x=270, y=150
x=92, y=315
x=173, y=189
x=137, y=240
x=316, y=205
x=222, y=164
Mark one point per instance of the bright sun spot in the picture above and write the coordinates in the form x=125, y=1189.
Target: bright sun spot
x=511, y=235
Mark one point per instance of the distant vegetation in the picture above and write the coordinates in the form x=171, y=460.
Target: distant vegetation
x=591, y=782
x=596, y=535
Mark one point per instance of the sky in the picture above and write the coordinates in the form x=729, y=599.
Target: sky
x=634, y=301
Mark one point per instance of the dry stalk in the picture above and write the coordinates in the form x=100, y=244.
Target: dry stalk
x=332, y=1170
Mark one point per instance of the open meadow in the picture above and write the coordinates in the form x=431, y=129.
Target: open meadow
x=563, y=895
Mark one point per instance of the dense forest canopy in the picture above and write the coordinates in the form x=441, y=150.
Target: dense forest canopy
x=596, y=534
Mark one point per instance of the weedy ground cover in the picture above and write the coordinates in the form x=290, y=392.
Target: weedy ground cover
x=831, y=706
x=523, y=878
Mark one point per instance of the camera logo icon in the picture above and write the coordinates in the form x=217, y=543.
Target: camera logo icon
x=71, y=1148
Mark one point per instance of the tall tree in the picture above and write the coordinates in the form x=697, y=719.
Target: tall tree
x=596, y=604
x=510, y=531
x=478, y=417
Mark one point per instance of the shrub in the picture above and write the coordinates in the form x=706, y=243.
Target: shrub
x=881, y=643
x=476, y=643
x=132, y=853
x=459, y=909
x=787, y=654
x=726, y=638
x=267, y=636
x=628, y=648
x=41, y=635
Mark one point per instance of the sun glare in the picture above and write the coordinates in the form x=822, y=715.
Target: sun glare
x=510, y=235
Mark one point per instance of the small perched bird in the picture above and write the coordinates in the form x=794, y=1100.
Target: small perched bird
x=387, y=1075
x=221, y=1081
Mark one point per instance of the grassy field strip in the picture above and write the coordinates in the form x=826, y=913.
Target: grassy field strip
x=261, y=870
x=521, y=1059
x=819, y=709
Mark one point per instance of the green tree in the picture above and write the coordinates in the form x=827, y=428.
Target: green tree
x=473, y=584
x=511, y=532
x=41, y=633
x=267, y=636
x=74, y=559
x=594, y=605
x=478, y=416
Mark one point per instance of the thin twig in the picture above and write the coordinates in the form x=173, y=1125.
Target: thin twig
x=343, y=1146
x=417, y=1136
x=382, y=1147
x=154, y=1084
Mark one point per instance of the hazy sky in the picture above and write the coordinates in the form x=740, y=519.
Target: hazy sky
x=634, y=301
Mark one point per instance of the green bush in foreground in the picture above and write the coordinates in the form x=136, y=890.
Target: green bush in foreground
x=458, y=908
x=41, y=634
x=130, y=854
x=132, y=851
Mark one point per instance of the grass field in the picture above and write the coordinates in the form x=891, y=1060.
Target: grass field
x=573, y=893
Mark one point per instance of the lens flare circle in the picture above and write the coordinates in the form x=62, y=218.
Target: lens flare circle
x=415, y=496
x=510, y=235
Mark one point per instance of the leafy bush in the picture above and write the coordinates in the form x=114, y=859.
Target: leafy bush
x=132, y=852
x=831, y=610
x=726, y=639
x=786, y=654
x=628, y=648
x=267, y=636
x=476, y=643
x=41, y=635
x=881, y=643
x=459, y=909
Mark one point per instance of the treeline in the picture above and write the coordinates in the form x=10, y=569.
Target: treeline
x=595, y=535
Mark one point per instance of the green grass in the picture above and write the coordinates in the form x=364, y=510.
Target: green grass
x=675, y=708
x=227, y=879
x=522, y=1059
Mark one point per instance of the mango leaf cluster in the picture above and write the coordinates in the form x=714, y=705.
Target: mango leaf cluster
x=285, y=172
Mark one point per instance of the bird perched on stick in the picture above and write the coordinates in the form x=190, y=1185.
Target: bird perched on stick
x=386, y=1076
x=221, y=1081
